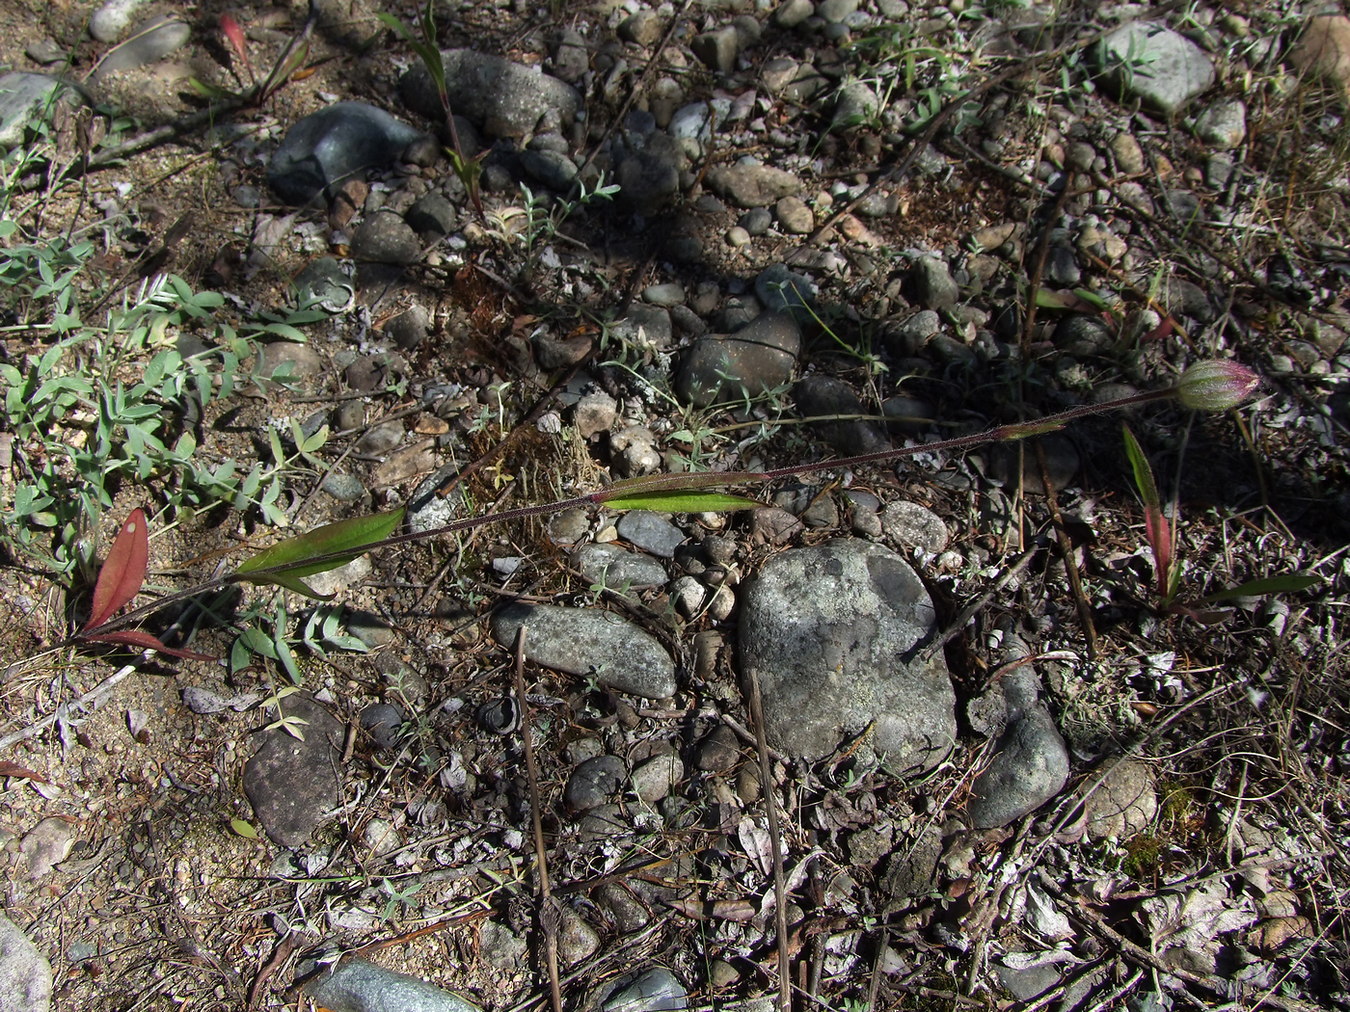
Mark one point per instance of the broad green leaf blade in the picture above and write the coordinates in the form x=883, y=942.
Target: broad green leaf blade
x=675, y=501
x=1288, y=584
x=333, y=545
x=243, y=829
x=122, y=572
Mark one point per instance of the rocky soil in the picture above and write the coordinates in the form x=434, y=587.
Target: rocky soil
x=909, y=736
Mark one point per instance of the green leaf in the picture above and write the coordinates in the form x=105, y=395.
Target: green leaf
x=1143, y=473
x=332, y=545
x=675, y=501
x=243, y=829
x=1288, y=584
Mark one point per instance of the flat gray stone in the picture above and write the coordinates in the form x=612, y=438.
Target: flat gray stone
x=290, y=783
x=616, y=568
x=1149, y=63
x=45, y=846
x=107, y=24
x=26, y=100
x=1124, y=802
x=358, y=986
x=507, y=99
x=833, y=633
x=25, y=974
x=335, y=144
x=748, y=185
x=149, y=43
x=583, y=641
x=651, y=532
x=655, y=990
x=748, y=363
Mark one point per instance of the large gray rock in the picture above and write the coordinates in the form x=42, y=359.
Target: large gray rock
x=748, y=363
x=332, y=145
x=1149, y=63
x=583, y=641
x=507, y=99
x=25, y=974
x=834, y=634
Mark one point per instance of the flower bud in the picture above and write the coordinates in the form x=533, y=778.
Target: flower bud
x=1216, y=386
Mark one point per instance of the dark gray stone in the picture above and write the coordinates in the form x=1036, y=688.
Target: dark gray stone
x=756, y=221
x=507, y=99
x=571, y=58
x=933, y=284
x=291, y=783
x=834, y=634
x=1030, y=763
x=25, y=974
x=1084, y=335
x=857, y=104
x=409, y=328
x=749, y=185
x=651, y=532
x=332, y=145
x=718, y=50
x=594, y=782
x=552, y=168
x=1161, y=69
x=326, y=283
x=385, y=238
x=824, y=395
x=585, y=642
x=615, y=568
x=431, y=216
x=382, y=722
x=649, y=178
x=755, y=359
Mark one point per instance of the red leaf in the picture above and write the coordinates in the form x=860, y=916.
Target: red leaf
x=9, y=769
x=123, y=570
x=144, y=641
x=232, y=32
x=1159, y=534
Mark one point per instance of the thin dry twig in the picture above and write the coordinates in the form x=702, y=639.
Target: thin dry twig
x=756, y=708
x=549, y=914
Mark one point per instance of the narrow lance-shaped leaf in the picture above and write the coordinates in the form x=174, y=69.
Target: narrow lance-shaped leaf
x=144, y=641
x=229, y=27
x=677, y=493
x=288, y=562
x=123, y=571
x=1156, y=527
x=673, y=501
x=1287, y=584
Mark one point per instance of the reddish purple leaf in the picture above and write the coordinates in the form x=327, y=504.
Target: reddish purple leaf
x=123, y=570
x=235, y=35
x=144, y=641
x=1159, y=534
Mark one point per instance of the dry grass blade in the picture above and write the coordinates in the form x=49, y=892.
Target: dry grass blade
x=549, y=920
x=775, y=841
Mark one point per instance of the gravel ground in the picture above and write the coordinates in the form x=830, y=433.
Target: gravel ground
x=915, y=734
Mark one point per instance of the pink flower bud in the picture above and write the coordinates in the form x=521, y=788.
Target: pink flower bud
x=1216, y=386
